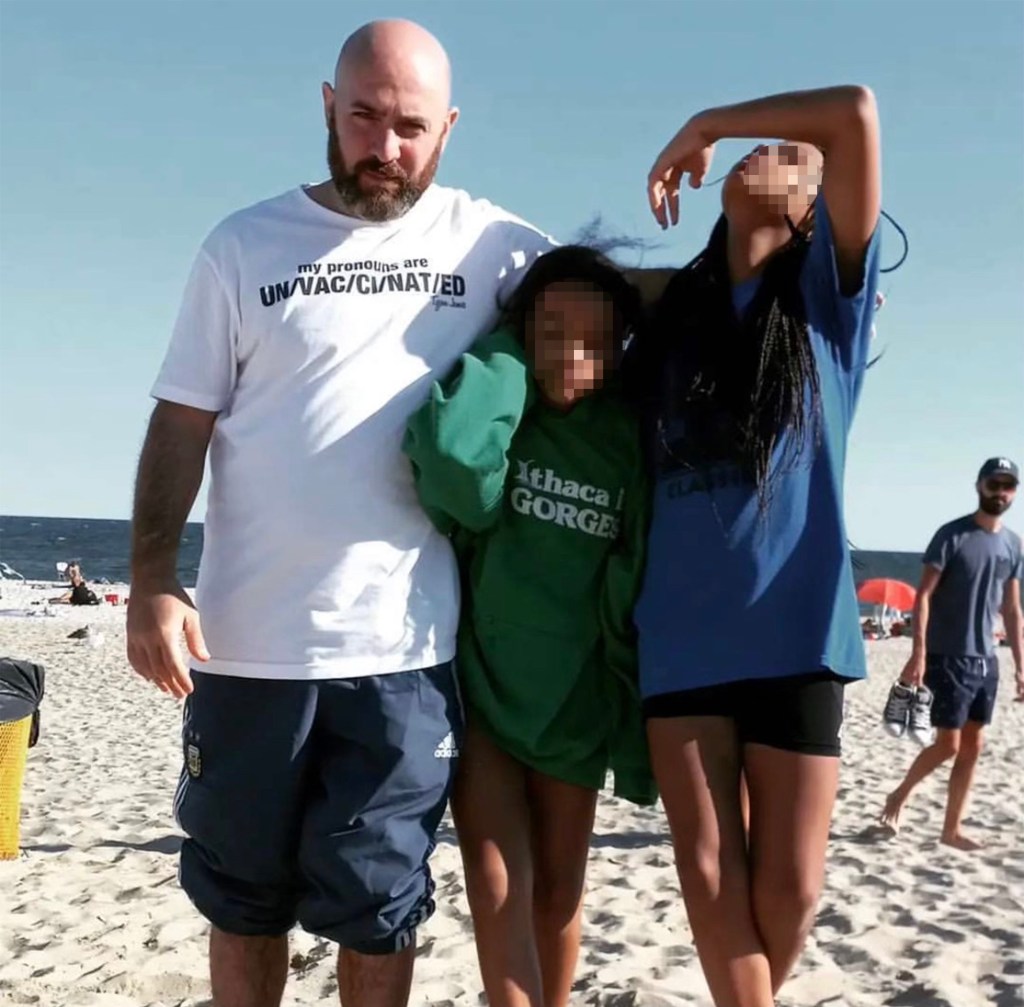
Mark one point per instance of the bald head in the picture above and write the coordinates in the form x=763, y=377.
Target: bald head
x=405, y=48
x=388, y=117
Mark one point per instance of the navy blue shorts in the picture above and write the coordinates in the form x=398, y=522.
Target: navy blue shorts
x=316, y=802
x=964, y=689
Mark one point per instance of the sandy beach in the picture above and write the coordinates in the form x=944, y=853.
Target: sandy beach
x=91, y=913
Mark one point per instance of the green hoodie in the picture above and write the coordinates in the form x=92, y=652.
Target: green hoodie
x=548, y=512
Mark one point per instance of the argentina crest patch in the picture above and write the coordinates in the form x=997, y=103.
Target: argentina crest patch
x=193, y=760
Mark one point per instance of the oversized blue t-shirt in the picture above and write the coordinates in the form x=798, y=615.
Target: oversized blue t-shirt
x=975, y=565
x=731, y=593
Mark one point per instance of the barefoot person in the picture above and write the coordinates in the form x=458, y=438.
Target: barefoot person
x=530, y=451
x=972, y=570
x=322, y=719
x=748, y=621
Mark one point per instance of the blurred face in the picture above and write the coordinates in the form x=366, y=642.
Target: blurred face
x=781, y=179
x=996, y=494
x=570, y=339
x=74, y=574
x=387, y=124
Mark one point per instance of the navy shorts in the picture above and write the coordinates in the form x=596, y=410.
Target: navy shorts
x=316, y=802
x=964, y=688
x=796, y=713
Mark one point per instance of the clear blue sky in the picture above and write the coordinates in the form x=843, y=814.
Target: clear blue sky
x=127, y=130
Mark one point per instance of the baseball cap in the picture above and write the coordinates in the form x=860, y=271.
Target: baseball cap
x=999, y=467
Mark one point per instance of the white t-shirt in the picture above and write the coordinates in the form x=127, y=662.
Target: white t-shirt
x=315, y=336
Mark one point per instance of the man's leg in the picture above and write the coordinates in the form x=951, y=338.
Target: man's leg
x=247, y=971
x=375, y=980
x=944, y=748
x=985, y=677
x=952, y=696
x=239, y=801
x=960, y=780
x=386, y=747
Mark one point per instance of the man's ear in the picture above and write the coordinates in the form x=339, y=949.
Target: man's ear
x=328, y=96
x=446, y=130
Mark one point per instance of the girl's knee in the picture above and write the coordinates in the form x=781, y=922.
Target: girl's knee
x=558, y=895
x=703, y=874
x=493, y=883
x=791, y=894
x=560, y=903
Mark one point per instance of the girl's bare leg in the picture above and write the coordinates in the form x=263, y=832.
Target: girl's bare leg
x=563, y=821
x=697, y=764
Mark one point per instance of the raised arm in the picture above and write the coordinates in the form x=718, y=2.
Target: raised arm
x=169, y=476
x=841, y=121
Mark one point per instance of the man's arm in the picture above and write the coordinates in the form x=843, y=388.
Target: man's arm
x=1013, y=622
x=170, y=474
x=913, y=672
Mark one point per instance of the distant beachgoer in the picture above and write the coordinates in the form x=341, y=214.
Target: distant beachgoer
x=323, y=724
x=79, y=593
x=972, y=570
x=748, y=619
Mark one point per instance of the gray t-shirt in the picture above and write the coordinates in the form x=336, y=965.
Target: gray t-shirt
x=975, y=565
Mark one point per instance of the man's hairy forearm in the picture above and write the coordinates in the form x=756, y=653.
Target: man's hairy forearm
x=170, y=474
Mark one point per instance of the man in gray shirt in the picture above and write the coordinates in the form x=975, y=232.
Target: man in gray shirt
x=972, y=571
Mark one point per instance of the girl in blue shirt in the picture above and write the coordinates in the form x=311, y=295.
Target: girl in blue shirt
x=748, y=621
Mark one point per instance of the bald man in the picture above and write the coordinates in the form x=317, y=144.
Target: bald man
x=322, y=723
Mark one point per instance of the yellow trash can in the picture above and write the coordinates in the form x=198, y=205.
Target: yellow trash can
x=13, y=750
x=21, y=690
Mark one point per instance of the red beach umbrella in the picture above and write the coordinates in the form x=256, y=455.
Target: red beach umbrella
x=883, y=591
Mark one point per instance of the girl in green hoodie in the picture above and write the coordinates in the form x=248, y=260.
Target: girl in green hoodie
x=529, y=458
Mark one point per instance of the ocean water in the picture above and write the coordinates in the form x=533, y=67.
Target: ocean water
x=33, y=545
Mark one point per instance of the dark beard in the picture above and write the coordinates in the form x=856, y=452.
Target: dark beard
x=992, y=505
x=386, y=203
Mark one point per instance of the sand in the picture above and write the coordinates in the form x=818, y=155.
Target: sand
x=91, y=913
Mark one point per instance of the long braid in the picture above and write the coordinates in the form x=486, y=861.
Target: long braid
x=740, y=388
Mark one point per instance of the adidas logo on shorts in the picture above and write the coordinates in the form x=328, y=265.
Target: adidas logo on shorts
x=447, y=749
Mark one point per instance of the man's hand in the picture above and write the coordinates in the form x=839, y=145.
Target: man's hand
x=913, y=671
x=1019, y=698
x=158, y=614
x=689, y=152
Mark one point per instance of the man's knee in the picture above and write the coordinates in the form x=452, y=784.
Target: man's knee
x=971, y=743
x=234, y=905
x=947, y=744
